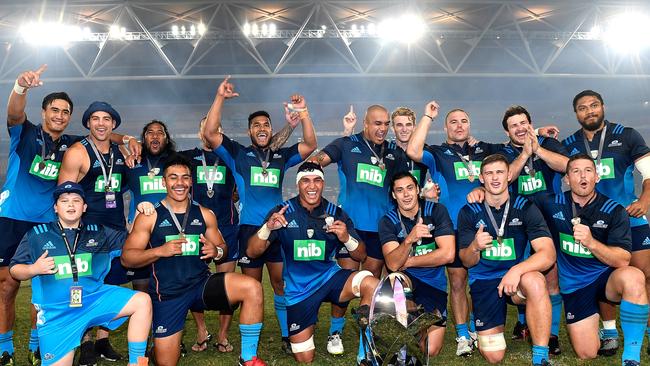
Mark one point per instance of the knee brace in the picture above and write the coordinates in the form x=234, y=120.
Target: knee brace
x=492, y=342
x=305, y=346
x=356, y=281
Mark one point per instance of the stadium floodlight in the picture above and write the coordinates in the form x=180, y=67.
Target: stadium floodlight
x=371, y=29
x=408, y=28
x=175, y=30
x=201, y=28
x=51, y=33
x=116, y=32
x=247, y=29
x=627, y=32
x=265, y=30
x=192, y=30
x=255, y=30
x=273, y=30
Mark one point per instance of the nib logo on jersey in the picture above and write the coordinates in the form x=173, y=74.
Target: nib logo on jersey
x=116, y=183
x=530, y=185
x=191, y=245
x=370, y=174
x=462, y=172
x=569, y=246
x=424, y=249
x=500, y=252
x=260, y=179
x=606, y=167
x=48, y=169
x=217, y=175
x=151, y=185
x=64, y=269
x=308, y=250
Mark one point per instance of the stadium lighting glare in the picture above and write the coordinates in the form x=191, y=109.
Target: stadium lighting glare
x=116, y=32
x=627, y=32
x=408, y=28
x=265, y=30
x=175, y=29
x=247, y=29
x=372, y=29
x=273, y=30
x=51, y=33
x=192, y=30
x=201, y=28
x=255, y=30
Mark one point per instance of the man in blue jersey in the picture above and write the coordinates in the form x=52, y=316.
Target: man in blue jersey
x=259, y=171
x=176, y=241
x=593, y=242
x=67, y=261
x=493, y=237
x=418, y=239
x=35, y=157
x=309, y=230
x=617, y=150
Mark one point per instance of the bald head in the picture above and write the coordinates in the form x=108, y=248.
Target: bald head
x=375, y=123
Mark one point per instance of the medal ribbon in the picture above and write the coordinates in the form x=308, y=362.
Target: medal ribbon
x=71, y=251
x=501, y=229
x=181, y=229
x=266, y=161
x=600, y=144
x=380, y=160
x=208, y=178
x=102, y=163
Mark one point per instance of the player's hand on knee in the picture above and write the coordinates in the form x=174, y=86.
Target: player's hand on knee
x=44, y=265
x=509, y=283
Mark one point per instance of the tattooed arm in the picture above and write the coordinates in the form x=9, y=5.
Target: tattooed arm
x=279, y=139
x=321, y=158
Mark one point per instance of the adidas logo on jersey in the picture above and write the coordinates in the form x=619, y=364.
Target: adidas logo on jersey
x=161, y=329
x=293, y=224
x=96, y=164
x=615, y=143
x=574, y=151
x=448, y=152
x=48, y=246
x=600, y=224
x=251, y=154
x=196, y=222
x=479, y=223
x=515, y=222
x=199, y=158
x=646, y=241
x=294, y=327
x=401, y=234
x=165, y=223
x=356, y=150
x=559, y=216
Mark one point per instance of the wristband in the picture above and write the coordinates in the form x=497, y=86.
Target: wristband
x=219, y=253
x=431, y=118
x=20, y=90
x=352, y=244
x=126, y=139
x=264, y=232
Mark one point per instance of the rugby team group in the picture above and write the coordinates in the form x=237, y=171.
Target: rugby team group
x=552, y=227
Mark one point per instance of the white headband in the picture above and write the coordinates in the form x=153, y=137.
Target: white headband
x=305, y=173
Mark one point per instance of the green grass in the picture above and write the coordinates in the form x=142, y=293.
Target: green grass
x=269, y=346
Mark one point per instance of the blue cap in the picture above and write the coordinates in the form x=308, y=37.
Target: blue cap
x=101, y=107
x=68, y=187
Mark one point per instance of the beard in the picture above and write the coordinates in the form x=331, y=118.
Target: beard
x=592, y=126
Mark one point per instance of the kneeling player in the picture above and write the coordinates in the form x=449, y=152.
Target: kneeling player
x=310, y=230
x=67, y=262
x=417, y=238
x=498, y=273
x=593, y=240
x=176, y=240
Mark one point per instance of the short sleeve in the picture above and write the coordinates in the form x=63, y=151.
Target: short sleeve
x=387, y=231
x=444, y=226
x=429, y=160
x=535, y=224
x=636, y=144
x=114, y=238
x=334, y=149
x=292, y=156
x=23, y=253
x=620, y=233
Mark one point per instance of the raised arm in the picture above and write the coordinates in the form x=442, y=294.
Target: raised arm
x=308, y=143
x=212, y=128
x=18, y=96
x=415, y=147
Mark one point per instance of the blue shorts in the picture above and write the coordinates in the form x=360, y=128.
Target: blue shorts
x=13, y=230
x=229, y=233
x=429, y=297
x=60, y=329
x=489, y=309
x=119, y=275
x=272, y=254
x=304, y=314
x=640, y=237
x=373, y=245
x=169, y=314
x=583, y=303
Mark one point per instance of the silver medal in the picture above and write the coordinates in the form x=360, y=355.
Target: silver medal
x=373, y=160
x=329, y=220
x=210, y=193
x=310, y=233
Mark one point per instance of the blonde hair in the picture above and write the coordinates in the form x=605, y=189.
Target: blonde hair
x=403, y=111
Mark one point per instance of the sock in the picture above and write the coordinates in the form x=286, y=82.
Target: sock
x=609, y=329
x=556, y=313
x=7, y=342
x=472, y=325
x=250, y=336
x=361, y=355
x=136, y=349
x=634, y=318
x=33, y=340
x=461, y=330
x=281, y=312
x=521, y=314
x=540, y=353
x=337, y=324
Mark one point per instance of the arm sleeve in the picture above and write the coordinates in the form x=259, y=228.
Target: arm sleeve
x=636, y=144
x=493, y=148
x=535, y=224
x=466, y=229
x=23, y=253
x=292, y=156
x=387, y=231
x=429, y=160
x=334, y=150
x=227, y=152
x=620, y=233
x=444, y=226
x=115, y=239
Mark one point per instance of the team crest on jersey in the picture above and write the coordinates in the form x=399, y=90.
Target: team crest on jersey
x=244, y=260
x=356, y=150
x=63, y=147
x=600, y=224
x=515, y=222
x=91, y=243
x=119, y=161
x=310, y=233
x=615, y=143
x=478, y=150
x=277, y=156
x=390, y=157
x=196, y=222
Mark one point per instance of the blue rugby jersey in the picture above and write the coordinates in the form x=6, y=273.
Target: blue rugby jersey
x=143, y=188
x=609, y=223
x=433, y=214
x=447, y=169
x=97, y=246
x=418, y=170
x=623, y=145
x=364, y=186
x=524, y=223
x=258, y=193
x=172, y=276
x=307, y=249
x=27, y=192
x=545, y=178
x=94, y=188
x=224, y=184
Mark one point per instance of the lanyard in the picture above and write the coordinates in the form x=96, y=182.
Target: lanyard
x=102, y=163
x=72, y=251
x=181, y=229
x=467, y=162
x=529, y=163
x=264, y=161
x=49, y=154
x=208, y=177
x=153, y=170
x=574, y=210
x=378, y=158
x=401, y=222
x=600, y=145
x=502, y=228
